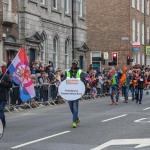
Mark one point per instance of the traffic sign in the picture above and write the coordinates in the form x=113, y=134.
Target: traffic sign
x=105, y=55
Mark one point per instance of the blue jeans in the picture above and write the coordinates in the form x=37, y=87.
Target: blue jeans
x=125, y=92
x=2, y=115
x=115, y=89
x=74, y=109
x=37, y=91
x=139, y=94
x=133, y=91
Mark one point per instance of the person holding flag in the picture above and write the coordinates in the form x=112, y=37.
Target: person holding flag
x=5, y=85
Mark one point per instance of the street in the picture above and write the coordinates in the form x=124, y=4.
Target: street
x=117, y=127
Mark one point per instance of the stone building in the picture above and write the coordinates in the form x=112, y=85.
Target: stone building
x=54, y=30
x=50, y=30
x=120, y=26
x=9, y=35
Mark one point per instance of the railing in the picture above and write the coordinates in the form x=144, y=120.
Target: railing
x=9, y=17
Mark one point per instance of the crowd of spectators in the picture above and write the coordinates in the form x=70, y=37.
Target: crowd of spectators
x=47, y=79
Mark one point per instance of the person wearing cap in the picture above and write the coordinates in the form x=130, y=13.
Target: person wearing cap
x=74, y=72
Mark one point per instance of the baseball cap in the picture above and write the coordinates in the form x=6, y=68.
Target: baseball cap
x=75, y=62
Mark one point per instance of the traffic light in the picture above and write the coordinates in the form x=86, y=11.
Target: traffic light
x=128, y=60
x=102, y=58
x=115, y=58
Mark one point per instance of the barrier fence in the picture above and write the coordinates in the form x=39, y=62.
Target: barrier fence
x=48, y=95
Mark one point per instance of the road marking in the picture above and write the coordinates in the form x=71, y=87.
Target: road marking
x=143, y=120
x=140, y=143
x=146, y=108
x=38, y=140
x=139, y=120
x=114, y=118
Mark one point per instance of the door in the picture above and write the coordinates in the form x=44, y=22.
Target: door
x=32, y=55
x=81, y=62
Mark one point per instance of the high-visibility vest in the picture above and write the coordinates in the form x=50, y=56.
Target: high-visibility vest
x=77, y=74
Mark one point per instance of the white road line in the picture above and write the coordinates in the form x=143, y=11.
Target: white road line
x=139, y=120
x=146, y=108
x=114, y=118
x=38, y=140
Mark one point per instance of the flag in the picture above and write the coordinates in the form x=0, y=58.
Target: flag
x=20, y=72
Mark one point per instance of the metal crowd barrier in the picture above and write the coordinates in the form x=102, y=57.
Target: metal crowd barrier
x=15, y=104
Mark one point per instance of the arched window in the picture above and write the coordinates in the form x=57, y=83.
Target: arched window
x=66, y=54
x=55, y=51
x=43, y=47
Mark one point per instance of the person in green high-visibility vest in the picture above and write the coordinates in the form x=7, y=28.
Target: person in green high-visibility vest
x=74, y=72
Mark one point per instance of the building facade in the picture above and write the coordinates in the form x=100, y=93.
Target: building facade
x=54, y=30
x=50, y=30
x=120, y=27
x=9, y=33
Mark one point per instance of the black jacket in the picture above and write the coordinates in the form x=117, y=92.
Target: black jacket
x=5, y=85
x=141, y=83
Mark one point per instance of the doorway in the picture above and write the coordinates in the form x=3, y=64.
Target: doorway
x=32, y=55
x=81, y=62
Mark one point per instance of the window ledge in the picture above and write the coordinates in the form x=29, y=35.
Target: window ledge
x=43, y=6
x=67, y=14
x=81, y=18
x=33, y=1
x=56, y=11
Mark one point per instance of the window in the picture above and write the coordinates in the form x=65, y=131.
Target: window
x=138, y=4
x=96, y=60
x=133, y=3
x=42, y=2
x=142, y=5
x=138, y=31
x=7, y=5
x=139, y=58
x=55, y=4
x=143, y=59
x=147, y=7
x=43, y=47
x=80, y=8
x=148, y=42
x=134, y=58
x=66, y=54
x=133, y=30
x=55, y=51
x=143, y=33
x=66, y=6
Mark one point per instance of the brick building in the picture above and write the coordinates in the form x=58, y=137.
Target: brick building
x=119, y=26
x=54, y=30
x=9, y=35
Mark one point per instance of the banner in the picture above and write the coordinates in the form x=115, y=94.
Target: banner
x=21, y=75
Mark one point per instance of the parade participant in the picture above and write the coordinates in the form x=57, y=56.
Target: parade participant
x=124, y=81
x=140, y=87
x=74, y=72
x=114, y=84
x=5, y=85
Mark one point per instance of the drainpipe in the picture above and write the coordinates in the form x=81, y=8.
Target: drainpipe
x=145, y=33
x=72, y=29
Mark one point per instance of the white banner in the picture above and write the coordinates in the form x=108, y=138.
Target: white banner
x=71, y=89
